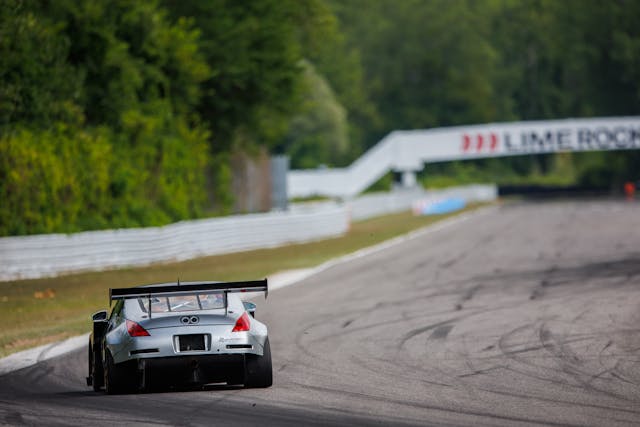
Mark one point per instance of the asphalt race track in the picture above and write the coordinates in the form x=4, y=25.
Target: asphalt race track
x=527, y=314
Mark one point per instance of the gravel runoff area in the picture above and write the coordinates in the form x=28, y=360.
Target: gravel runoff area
x=527, y=314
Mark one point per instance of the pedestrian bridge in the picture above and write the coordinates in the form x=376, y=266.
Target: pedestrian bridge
x=408, y=151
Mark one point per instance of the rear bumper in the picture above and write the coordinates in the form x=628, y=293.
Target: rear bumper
x=163, y=344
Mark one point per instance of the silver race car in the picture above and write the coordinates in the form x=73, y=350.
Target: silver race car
x=174, y=334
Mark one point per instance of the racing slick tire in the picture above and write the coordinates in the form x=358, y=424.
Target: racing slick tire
x=257, y=369
x=96, y=370
x=117, y=379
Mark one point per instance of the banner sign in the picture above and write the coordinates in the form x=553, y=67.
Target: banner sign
x=546, y=141
x=549, y=137
x=408, y=151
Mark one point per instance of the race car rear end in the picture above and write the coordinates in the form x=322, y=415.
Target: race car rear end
x=191, y=333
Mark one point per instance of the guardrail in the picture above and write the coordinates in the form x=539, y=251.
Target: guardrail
x=375, y=204
x=31, y=257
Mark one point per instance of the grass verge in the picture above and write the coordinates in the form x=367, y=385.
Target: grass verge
x=35, y=312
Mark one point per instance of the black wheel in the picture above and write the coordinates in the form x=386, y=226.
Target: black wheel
x=95, y=369
x=257, y=369
x=117, y=379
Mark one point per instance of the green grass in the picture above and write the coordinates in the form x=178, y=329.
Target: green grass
x=31, y=315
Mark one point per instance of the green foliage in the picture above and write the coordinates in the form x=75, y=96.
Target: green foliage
x=39, y=179
x=569, y=58
x=560, y=171
x=262, y=92
x=326, y=46
x=132, y=58
x=319, y=132
x=426, y=62
x=221, y=176
x=383, y=184
x=65, y=180
x=429, y=63
x=252, y=50
x=152, y=97
x=608, y=170
x=121, y=113
x=98, y=127
x=38, y=84
x=162, y=179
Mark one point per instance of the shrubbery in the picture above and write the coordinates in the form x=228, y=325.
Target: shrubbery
x=64, y=179
x=97, y=120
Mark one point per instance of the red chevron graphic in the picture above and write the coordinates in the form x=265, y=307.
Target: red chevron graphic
x=477, y=142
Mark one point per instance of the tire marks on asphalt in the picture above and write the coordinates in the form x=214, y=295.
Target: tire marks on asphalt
x=442, y=329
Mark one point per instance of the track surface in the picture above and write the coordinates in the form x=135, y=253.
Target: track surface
x=528, y=314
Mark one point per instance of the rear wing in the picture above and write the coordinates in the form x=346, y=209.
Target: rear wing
x=188, y=288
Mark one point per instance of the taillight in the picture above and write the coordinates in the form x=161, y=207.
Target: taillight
x=242, y=324
x=136, y=330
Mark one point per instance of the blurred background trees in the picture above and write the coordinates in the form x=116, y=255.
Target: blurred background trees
x=97, y=120
x=118, y=113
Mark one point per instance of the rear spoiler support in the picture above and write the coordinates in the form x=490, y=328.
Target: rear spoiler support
x=189, y=288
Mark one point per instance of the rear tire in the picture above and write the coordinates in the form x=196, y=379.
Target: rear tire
x=257, y=369
x=117, y=379
x=96, y=370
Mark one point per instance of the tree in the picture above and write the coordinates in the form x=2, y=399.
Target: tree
x=253, y=53
x=426, y=63
x=318, y=134
x=99, y=128
x=38, y=84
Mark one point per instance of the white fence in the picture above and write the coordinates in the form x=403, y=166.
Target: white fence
x=30, y=257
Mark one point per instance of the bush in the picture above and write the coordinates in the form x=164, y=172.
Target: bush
x=67, y=180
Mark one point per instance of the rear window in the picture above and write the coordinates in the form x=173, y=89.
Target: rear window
x=178, y=303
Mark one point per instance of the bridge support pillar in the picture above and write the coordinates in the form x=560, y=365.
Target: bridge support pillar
x=409, y=179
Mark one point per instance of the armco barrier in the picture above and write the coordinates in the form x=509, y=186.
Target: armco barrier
x=370, y=205
x=28, y=257
x=376, y=204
